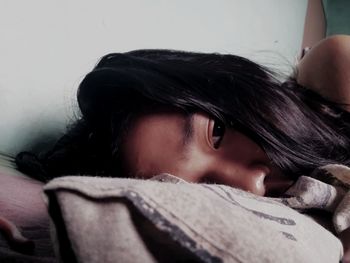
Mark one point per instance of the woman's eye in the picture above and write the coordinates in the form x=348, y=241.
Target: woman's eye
x=218, y=133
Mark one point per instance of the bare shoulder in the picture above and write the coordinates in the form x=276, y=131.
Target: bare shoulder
x=326, y=68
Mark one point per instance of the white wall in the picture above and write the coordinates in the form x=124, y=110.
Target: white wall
x=47, y=46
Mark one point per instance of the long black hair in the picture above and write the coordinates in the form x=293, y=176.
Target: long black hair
x=297, y=128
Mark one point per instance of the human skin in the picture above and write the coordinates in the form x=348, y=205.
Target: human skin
x=155, y=144
x=325, y=69
x=155, y=141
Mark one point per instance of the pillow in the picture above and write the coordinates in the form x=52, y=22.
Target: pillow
x=169, y=220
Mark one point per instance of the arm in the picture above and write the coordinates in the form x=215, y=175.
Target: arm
x=326, y=69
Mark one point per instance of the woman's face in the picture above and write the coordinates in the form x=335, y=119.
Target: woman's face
x=198, y=148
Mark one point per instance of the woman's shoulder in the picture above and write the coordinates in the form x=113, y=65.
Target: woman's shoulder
x=326, y=69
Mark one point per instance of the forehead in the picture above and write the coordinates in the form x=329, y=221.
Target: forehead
x=156, y=142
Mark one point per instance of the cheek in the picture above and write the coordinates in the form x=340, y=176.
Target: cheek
x=238, y=147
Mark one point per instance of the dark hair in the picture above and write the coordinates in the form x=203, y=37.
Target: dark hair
x=297, y=128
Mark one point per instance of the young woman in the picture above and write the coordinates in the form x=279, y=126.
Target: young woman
x=206, y=118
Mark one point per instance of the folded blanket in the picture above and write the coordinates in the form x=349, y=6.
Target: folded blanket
x=169, y=220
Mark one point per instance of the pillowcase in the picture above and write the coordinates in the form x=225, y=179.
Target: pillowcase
x=169, y=220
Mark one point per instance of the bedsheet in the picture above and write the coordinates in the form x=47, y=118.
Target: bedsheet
x=20, y=203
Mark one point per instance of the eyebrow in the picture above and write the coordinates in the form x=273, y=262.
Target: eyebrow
x=187, y=130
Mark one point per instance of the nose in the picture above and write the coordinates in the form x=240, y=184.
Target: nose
x=263, y=180
x=253, y=179
x=248, y=178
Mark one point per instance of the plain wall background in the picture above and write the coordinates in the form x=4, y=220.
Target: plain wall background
x=48, y=46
